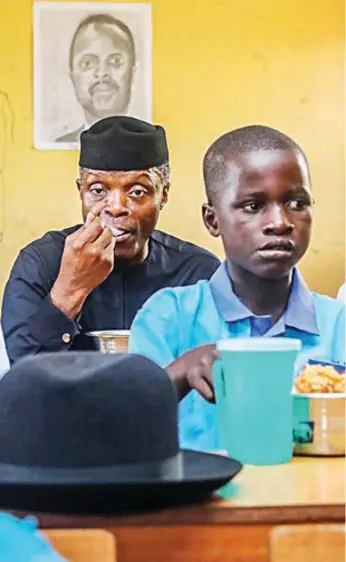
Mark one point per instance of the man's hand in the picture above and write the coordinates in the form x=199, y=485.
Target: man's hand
x=194, y=370
x=87, y=260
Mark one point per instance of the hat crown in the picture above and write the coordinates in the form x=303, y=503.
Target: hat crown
x=86, y=409
x=123, y=143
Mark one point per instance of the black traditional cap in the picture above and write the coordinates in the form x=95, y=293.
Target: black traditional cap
x=122, y=144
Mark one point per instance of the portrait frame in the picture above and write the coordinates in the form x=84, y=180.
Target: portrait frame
x=56, y=111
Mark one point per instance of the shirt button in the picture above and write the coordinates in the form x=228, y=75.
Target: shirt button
x=66, y=338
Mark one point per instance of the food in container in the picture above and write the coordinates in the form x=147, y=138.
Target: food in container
x=319, y=410
x=320, y=378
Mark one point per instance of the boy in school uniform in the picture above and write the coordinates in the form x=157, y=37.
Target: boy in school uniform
x=259, y=201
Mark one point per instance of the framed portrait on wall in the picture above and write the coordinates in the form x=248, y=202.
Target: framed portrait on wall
x=91, y=60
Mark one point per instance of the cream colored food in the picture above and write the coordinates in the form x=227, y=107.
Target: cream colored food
x=320, y=379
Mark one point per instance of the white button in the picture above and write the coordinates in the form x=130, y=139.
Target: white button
x=66, y=338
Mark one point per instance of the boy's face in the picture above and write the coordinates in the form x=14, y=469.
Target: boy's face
x=263, y=212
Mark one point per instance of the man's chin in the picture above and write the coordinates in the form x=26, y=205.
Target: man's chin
x=125, y=254
x=128, y=255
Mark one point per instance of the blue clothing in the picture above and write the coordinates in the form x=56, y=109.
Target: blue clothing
x=176, y=320
x=20, y=541
x=299, y=314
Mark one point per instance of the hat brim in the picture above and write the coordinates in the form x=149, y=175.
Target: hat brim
x=202, y=474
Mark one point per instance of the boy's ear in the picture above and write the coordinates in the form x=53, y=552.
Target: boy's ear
x=210, y=219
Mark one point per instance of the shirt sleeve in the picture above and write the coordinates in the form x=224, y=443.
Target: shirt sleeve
x=155, y=329
x=30, y=321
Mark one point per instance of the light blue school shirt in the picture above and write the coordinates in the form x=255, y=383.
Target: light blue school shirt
x=21, y=541
x=176, y=320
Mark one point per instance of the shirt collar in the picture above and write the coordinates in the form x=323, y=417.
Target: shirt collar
x=299, y=314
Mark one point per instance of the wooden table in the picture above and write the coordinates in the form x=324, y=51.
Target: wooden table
x=308, y=490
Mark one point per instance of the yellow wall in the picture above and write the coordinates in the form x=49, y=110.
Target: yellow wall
x=217, y=64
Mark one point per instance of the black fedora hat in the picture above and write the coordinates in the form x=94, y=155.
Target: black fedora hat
x=87, y=432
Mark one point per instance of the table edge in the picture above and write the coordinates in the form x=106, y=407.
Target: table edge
x=201, y=514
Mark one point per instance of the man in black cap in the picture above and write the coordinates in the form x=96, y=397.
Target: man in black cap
x=98, y=275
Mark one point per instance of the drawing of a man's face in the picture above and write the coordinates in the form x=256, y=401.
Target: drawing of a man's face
x=102, y=59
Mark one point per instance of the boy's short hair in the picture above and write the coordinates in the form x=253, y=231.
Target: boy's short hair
x=239, y=141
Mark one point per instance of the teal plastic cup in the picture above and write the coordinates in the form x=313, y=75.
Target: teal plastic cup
x=253, y=382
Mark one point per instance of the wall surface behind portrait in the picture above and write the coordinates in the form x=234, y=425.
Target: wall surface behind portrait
x=216, y=65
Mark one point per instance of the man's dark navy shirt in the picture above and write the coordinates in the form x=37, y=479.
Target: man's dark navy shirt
x=32, y=324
